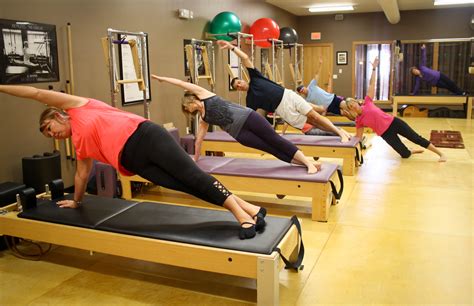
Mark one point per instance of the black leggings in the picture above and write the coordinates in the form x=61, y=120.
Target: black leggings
x=447, y=83
x=152, y=153
x=399, y=126
x=257, y=133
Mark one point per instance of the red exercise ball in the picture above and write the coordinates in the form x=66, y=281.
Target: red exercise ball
x=264, y=29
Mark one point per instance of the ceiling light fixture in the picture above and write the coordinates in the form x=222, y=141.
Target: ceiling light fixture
x=452, y=2
x=332, y=8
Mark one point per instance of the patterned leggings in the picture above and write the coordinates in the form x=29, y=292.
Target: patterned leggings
x=152, y=153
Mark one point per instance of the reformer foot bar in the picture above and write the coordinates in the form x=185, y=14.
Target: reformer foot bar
x=316, y=146
x=270, y=177
x=434, y=100
x=195, y=238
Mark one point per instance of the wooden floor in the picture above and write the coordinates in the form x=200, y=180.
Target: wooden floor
x=402, y=234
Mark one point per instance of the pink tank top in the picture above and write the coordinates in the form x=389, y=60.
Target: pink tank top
x=100, y=131
x=373, y=117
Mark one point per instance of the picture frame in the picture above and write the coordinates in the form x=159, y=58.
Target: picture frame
x=130, y=93
x=29, y=52
x=341, y=57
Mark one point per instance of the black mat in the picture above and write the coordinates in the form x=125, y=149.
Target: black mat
x=197, y=226
x=93, y=211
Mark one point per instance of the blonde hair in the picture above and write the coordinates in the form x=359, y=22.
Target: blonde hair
x=188, y=99
x=50, y=114
x=348, y=113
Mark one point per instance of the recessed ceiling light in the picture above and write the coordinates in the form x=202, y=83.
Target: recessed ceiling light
x=452, y=2
x=332, y=8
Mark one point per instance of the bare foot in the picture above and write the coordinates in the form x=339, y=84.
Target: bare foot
x=443, y=158
x=417, y=151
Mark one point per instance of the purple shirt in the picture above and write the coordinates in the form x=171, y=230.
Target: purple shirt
x=373, y=117
x=428, y=75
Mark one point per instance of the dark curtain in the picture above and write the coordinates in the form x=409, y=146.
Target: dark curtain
x=360, y=67
x=454, y=62
x=404, y=81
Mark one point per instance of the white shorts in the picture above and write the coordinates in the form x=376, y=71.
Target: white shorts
x=293, y=109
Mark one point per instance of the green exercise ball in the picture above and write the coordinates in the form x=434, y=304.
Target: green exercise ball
x=223, y=23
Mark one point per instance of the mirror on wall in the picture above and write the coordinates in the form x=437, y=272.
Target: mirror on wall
x=452, y=57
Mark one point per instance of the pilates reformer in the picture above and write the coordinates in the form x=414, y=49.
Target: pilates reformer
x=269, y=177
x=273, y=70
x=188, y=237
x=316, y=146
x=433, y=100
x=204, y=50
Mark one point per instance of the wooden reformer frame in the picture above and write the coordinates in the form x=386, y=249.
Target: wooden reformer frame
x=433, y=100
x=347, y=154
x=261, y=267
x=321, y=194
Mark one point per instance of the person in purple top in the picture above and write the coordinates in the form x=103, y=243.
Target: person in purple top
x=432, y=77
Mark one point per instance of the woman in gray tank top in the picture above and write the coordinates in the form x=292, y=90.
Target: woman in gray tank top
x=244, y=124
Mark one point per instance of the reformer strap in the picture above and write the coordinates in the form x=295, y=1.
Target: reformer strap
x=338, y=194
x=297, y=264
x=359, y=158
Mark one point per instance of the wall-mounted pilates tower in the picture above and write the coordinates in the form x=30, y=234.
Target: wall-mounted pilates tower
x=140, y=62
x=240, y=38
x=200, y=59
x=296, y=63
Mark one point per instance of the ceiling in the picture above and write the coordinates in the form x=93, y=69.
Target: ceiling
x=300, y=7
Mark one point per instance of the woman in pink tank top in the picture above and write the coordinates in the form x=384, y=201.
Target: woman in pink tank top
x=383, y=124
x=131, y=144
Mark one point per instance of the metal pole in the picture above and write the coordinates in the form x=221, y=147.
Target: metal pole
x=111, y=66
x=273, y=67
x=69, y=44
x=302, y=63
x=239, y=63
x=213, y=66
x=144, y=76
x=282, y=64
x=195, y=81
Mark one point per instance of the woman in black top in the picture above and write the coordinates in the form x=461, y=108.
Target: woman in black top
x=242, y=123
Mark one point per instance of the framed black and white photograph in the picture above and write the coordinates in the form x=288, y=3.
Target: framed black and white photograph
x=29, y=52
x=341, y=57
x=131, y=93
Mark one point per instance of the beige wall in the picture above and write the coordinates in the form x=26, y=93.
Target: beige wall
x=426, y=24
x=90, y=19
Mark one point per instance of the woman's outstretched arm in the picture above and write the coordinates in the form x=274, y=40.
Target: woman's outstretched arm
x=200, y=92
x=371, y=89
x=49, y=97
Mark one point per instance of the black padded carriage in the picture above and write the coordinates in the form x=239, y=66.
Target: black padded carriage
x=197, y=226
